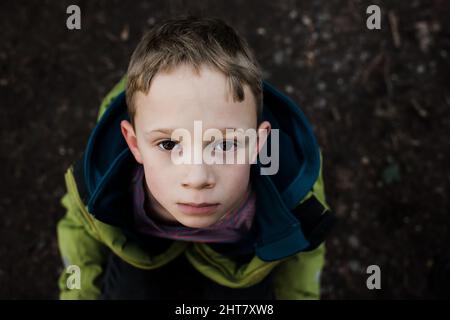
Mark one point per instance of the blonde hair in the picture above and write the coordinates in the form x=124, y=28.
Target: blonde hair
x=194, y=41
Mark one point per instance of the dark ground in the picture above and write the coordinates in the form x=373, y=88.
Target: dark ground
x=380, y=108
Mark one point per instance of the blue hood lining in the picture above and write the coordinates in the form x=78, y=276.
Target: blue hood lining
x=310, y=153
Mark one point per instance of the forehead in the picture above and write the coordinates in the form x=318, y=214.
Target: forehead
x=181, y=96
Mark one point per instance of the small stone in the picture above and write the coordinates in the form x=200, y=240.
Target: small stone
x=326, y=36
x=261, y=31
x=336, y=66
x=321, y=86
x=353, y=241
x=125, y=33
x=354, y=266
x=324, y=17
x=306, y=21
x=420, y=69
x=62, y=151
x=278, y=57
x=363, y=56
x=293, y=14
x=365, y=160
x=321, y=103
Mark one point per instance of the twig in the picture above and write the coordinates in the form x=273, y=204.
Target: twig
x=420, y=111
x=393, y=21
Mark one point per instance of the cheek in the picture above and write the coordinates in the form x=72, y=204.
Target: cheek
x=158, y=174
x=159, y=184
x=235, y=179
x=155, y=160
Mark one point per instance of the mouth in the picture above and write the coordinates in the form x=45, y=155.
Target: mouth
x=191, y=208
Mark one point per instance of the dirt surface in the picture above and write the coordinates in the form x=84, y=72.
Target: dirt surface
x=379, y=102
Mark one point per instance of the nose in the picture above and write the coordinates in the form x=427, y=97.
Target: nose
x=198, y=176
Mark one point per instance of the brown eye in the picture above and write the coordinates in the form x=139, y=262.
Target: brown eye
x=226, y=145
x=167, y=145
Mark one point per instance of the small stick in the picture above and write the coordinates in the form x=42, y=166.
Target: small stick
x=393, y=21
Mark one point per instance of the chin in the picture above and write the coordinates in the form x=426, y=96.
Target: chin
x=198, y=222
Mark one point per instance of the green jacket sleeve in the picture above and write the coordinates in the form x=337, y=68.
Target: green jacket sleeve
x=298, y=277
x=79, y=247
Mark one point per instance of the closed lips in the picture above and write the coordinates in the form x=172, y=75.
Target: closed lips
x=197, y=208
x=199, y=205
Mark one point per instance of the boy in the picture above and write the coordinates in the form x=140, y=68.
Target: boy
x=140, y=224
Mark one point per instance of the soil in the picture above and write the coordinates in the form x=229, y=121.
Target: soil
x=378, y=100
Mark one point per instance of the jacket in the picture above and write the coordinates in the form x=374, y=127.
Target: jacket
x=292, y=217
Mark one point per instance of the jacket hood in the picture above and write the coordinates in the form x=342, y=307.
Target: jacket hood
x=107, y=162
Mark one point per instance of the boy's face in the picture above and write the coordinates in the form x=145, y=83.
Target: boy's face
x=175, y=100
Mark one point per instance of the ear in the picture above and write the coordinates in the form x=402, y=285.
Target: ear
x=130, y=137
x=263, y=132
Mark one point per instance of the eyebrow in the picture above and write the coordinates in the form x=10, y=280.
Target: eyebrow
x=170, y=130
x=167, y=131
